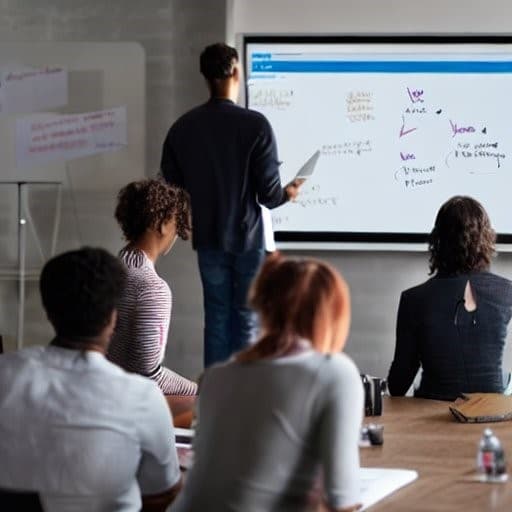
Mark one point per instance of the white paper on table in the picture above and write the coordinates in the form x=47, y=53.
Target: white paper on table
x=189, y=432
x=45, y=138
x=27, y=90
x=377, y=483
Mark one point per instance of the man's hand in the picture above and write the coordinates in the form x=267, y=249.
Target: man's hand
x=292, y=189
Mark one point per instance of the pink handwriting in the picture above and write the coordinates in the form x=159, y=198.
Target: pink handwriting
x=403, y=131
x=62, y=145
x=29, y=74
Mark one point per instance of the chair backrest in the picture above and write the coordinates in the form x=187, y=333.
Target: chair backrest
x=20, y=500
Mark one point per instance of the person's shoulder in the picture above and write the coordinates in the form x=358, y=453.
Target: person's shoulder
x=146, y=387
x=493, y=286
x=21, y=357
x=140, y=398
x=339, y=373
x=490, y=277
x=339, y=363
x=244, y=114
x=257, y=118
x=419, y=290
x=138, y=386
x=190, y=114
x=185, y=120
x=141, y=275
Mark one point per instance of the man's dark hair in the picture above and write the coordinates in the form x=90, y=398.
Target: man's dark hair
x=147, y=204
x=80, y=290
x=217, y=62
x=462, y=240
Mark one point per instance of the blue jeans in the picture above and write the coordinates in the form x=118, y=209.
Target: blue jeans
x=229, y=323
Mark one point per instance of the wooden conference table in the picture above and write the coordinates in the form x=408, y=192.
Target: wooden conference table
x=422, y=435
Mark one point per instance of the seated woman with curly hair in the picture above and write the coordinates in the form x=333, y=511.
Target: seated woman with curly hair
x=152, y=215
x=454, y=325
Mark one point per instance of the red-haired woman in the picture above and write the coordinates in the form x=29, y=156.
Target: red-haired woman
x=286, y=409
x=152, y=215
x=454, y=325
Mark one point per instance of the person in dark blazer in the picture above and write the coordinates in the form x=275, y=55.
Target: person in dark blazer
x=454, y=325
x=225, y=157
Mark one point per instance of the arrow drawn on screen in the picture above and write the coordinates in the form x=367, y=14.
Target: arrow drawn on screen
x=403, y=131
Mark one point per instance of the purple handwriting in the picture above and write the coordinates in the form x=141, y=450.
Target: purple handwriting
x=403, y=131
x=415, y=95
x=460, y=129
x=407, y=156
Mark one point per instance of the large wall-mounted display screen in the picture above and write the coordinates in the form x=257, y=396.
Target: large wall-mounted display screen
x=401, y=124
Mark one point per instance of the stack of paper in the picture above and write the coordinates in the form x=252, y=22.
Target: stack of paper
x=377, y=483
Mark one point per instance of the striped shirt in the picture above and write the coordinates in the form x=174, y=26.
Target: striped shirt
x=144, y=313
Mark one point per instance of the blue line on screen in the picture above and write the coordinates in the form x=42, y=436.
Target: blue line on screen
x=292, y=66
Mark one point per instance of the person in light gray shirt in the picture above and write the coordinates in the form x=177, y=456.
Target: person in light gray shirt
x=281, y=420
x=74, y=428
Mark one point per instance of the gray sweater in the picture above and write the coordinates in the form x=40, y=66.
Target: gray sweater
x=267, y=428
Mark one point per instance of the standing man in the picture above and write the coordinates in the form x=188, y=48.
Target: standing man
x=225, y=156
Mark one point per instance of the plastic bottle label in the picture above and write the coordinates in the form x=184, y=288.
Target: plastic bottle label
x=488, y=462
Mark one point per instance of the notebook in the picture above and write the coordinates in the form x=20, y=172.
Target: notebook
x=482, y=408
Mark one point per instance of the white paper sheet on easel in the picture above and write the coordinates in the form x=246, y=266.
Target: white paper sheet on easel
x=48, y=137
x=27, y=90
x=377, y=483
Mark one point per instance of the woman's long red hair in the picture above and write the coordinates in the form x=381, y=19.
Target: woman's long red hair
x=297, y=299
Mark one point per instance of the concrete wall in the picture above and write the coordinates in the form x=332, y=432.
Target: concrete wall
x=369, y=16
x=376, y=278
x=172, y=32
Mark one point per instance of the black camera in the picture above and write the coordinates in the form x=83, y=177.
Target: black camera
x=374, y=388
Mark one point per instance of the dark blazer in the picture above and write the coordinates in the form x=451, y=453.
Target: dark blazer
x=458, y=351
x=225, y=156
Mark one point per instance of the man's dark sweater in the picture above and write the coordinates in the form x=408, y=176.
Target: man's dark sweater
x=225, y=156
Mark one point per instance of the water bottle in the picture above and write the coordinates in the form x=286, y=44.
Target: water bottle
x=491, y=457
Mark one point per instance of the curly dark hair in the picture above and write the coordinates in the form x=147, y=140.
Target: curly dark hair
x=462, y=240
x=80, y=290
x=147, y=204
x=216, y=61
